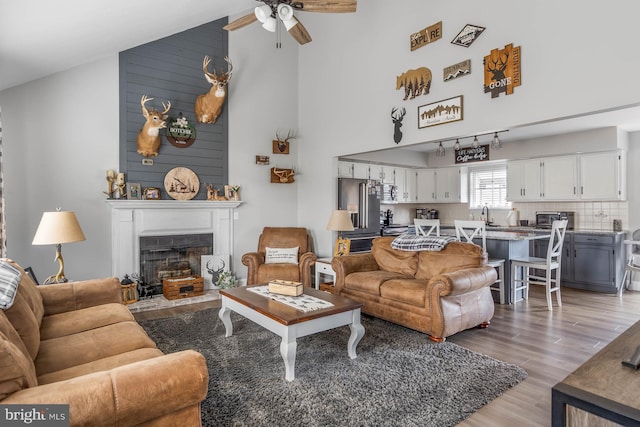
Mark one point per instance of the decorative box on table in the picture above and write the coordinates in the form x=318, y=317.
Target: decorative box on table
x=182, y=287
x=285, y=287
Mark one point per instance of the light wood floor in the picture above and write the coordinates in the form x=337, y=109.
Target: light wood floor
x=548, y=345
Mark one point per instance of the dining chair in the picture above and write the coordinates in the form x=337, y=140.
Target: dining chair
x=469, y=230
x=422, y=224
x=551, y=263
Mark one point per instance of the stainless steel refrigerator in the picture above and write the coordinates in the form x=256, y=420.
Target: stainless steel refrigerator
x=361, y=197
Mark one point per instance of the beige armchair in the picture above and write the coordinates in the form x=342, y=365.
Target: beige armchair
x=261, y=270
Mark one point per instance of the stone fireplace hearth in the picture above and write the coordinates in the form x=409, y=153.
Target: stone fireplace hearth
x=132, y=219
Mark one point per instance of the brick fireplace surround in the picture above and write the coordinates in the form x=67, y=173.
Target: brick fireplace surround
x=131, y=219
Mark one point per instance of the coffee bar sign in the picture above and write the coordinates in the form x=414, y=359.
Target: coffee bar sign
x=468, y=155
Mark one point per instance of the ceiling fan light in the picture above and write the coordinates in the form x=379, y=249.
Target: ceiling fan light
x=285, y=12
x=290, y=23
x=262, y=13
x=270, y=24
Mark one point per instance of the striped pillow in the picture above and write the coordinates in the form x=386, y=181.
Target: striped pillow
x=9, y=281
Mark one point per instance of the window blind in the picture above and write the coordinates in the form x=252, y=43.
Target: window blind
x=488, y=186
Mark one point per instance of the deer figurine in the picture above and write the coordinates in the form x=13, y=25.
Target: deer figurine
x=149, y=136
x=209, y=105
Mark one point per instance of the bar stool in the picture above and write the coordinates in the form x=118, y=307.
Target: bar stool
x=632, y=265
x=421, y=224
x=470, y=230
x=549, y=264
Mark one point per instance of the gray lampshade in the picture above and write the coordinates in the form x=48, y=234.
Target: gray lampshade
x=340, y=221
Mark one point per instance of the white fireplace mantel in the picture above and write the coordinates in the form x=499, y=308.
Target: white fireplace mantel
x=131, y=219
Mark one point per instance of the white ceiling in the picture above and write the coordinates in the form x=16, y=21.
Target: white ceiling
x=42, y=37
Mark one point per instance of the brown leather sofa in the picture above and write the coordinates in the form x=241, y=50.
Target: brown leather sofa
x=436, y=292
x=77, y=344
x=281, y=237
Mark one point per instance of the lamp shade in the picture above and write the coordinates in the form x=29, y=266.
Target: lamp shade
x=262, y=12
x=58, y=227
x=270, y=24
x=340, y=221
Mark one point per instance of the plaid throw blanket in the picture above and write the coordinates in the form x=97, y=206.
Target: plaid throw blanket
x=412, y=242
x=9, y=281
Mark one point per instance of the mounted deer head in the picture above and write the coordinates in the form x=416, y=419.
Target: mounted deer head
x=209, y=105
x=281, y=146
x=148, y=140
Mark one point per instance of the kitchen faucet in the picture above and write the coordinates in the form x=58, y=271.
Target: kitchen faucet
x=485, y=214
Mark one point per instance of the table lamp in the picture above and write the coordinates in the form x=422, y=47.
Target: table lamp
x=57, y=228
x=340, y=221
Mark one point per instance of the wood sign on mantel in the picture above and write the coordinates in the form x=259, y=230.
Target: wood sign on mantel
x=470, y=154
x=426, y=36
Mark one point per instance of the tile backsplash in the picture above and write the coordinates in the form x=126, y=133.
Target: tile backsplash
x=588, y=215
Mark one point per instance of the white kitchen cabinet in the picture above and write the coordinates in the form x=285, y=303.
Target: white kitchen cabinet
x=447, y=185
x=426, y=185
x=375, y=172
x=388, y=175
x=602, y=176
x=361, y=170
x=406, y=183
x=560, y=178
x=523, y=180
x=345, y=170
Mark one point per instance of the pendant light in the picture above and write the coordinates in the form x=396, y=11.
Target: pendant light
x=440, y=152
x=496, y=143
x=475, y=143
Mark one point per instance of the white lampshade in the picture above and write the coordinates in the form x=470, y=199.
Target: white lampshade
x=58, y=227
x=285, y=12
x=262, y=12
x=340, y=221
x=270, y=24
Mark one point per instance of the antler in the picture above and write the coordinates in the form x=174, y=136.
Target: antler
x=402, y=113
x=229, y=69
x=205, y=68
x=143, y=101
x=284, y=174
x=290, y=135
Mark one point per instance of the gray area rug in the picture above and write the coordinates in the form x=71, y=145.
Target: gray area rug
x=399, y=378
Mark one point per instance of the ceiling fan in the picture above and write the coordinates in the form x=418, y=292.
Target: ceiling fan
x=272, y=10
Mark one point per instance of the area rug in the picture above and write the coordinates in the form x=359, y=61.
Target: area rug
x=399, y=378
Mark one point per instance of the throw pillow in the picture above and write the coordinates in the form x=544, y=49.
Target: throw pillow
x=281, y=255
x=9, y=281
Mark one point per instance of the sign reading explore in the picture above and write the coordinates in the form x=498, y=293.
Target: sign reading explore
x=468, y=155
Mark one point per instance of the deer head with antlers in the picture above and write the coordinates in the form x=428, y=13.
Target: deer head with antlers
x=397, y=123
x=281, y=146
x=148, y=140
x=209, y=105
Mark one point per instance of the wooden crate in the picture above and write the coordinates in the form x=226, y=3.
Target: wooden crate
x=182, y=287
x=285, y=287
x=327, y=287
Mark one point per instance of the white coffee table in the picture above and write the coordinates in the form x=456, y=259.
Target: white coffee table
x=290, y=323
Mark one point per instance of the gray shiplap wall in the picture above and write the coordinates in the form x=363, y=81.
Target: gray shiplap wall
x=170, y=69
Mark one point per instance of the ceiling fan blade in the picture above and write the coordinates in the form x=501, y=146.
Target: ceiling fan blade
x=328, y=6
x=241, y=22
x=300, y=33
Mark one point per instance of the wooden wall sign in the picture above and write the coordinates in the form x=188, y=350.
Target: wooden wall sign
x=437, y=113
x=502, y=70
x=282, y=176
x=426, y=36
x=415, y=82
x=468, y=155
x=467, y=35
x=456, y=70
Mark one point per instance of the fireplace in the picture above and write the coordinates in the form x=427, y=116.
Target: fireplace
x=170, y=257
x=134, y=220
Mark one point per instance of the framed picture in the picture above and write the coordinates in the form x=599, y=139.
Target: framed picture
x=133, y=191
x=441, y=112
x=342, y=247
x=151, y=193
x=211, y=266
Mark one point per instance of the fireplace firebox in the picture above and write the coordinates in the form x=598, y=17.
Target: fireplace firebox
x=170, y=256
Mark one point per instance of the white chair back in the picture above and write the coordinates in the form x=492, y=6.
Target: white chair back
x=424, y=227
x=554, y=251
x=469, y=230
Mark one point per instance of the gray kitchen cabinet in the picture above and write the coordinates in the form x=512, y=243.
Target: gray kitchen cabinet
x=590, y=261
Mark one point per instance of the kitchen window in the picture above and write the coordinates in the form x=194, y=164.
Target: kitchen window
x=488, y=187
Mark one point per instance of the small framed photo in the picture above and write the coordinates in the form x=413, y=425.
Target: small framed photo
x=133, y=191
x=211, y=267
x=342, y=247
x=151, y=193
x=227, y=192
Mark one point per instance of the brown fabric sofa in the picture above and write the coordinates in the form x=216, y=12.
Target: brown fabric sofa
x=77, y=344
x=436, y=292
x=281, y=237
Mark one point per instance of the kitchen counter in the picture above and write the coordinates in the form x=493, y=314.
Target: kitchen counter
x=505, y=235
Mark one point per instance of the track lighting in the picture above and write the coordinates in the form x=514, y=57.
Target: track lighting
x=475, y=142
x=456, y=146
x=496, y=142
x=440, y=152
